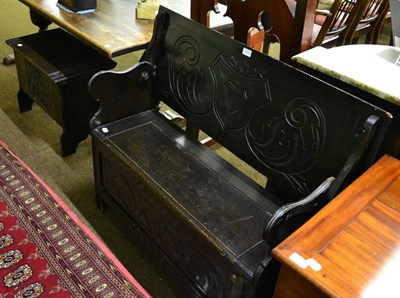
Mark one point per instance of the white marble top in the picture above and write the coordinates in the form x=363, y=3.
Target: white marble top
x=373, y=68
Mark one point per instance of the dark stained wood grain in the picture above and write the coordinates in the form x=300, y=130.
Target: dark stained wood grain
x=354, y=238
x=112, y=29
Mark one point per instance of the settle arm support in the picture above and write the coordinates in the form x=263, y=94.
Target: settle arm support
x=121, y=94
x=279, y=227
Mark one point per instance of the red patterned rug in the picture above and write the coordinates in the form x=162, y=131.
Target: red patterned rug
x=45, y=249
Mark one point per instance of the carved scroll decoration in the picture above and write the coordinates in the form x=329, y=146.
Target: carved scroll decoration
x=292, y=141
x=186, y=77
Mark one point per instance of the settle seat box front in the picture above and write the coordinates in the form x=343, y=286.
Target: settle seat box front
x=54, y=69
x=213, y=225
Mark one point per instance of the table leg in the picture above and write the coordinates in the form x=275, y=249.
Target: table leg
x=9, y=59
x=39, y=20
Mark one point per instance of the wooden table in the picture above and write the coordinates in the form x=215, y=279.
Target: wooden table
x=351, y=248
x=112, y=28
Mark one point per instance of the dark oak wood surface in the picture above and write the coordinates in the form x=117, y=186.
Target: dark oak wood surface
x=112, y=29
x=355, y=239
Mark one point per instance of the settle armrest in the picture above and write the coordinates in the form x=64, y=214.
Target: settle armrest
x=280, y=226
x=126, y=93
x=121, y=94
x=289, y=216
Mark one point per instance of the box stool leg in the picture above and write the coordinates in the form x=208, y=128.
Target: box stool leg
x=25, y=102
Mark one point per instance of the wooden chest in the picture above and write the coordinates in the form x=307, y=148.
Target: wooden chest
x=54, y=69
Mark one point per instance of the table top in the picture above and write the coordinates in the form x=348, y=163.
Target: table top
x=373, y=68
x=351, y=248
x=112, y=28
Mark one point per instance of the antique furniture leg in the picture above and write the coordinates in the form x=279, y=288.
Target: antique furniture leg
x=9, y=59
x=71, y=137
x=24, y=101
x=37, y=20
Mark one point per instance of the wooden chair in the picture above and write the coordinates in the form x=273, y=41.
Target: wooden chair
x=287, y=21
x=200, y=10
x=384, y=18
x=245, y=17
x=330, y=25
x=372, y=18
x=292, y=23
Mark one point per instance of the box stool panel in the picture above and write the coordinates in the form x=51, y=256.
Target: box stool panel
x=40, y=87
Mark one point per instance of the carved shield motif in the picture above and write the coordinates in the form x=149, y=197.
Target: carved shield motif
x=238, y=91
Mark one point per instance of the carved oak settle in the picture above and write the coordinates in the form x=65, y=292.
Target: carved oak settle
x=214, y=225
